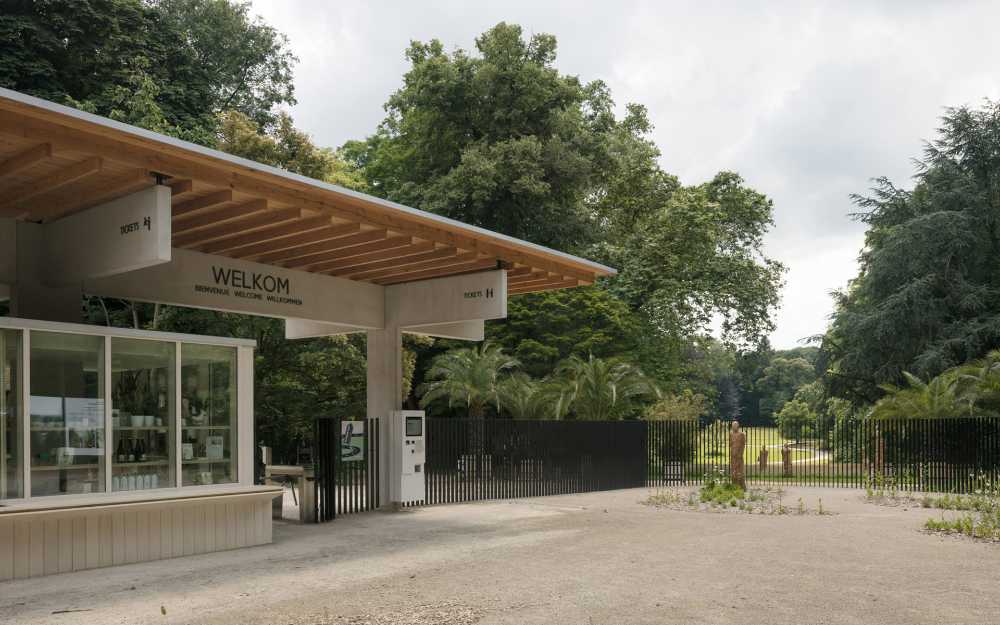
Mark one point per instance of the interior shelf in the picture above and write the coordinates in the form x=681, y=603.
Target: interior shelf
x=63, y=467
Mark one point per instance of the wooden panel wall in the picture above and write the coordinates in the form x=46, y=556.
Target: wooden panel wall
x=43, y=543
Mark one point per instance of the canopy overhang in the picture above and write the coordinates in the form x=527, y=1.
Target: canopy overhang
x=57, y=161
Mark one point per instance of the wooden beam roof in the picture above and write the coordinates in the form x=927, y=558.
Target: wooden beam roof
x=55, y=161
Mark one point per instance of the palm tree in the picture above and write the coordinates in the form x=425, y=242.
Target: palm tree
x=599, y=389
x=468, y=376
x=979, y=384
x=524, y=397
x=940, y=398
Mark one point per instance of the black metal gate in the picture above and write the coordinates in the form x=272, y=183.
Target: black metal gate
x=345, y=483
x=475, y=459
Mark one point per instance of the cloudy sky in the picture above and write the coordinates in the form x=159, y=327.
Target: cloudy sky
x=807, y=100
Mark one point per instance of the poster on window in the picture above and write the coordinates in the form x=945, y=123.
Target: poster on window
x=352, y=441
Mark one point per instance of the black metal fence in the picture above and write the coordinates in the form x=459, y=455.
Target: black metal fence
x=346, y=466
x=934, y=455
x=472, y=459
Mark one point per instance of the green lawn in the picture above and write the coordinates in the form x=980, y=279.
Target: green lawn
x=756, y=437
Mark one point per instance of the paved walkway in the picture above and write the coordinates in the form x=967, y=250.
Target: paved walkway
x=599, y=558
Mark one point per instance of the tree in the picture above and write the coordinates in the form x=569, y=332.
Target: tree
x=796, y=420
x=543, y=329
x=698, y=258
x=781, y=379
x=938, y=398
x=469, y=377
x=686, y=406
x=523, y=397
x=927, y=295
x=498, y=139
x=168, y=65
x=601, y=390
x=286, y=147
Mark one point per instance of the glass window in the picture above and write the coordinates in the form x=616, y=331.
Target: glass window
x=67, y=413
x=208, y=414
x=11, y=475
x=142, y=414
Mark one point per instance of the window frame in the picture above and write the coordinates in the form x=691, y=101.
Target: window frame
x=243, y=360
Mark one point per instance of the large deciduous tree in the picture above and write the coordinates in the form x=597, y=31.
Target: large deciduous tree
x=168, y=65
x=927, y=296
x=498, y=139
x=699, y=257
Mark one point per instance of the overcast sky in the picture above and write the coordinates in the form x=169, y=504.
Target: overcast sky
x=808, y=101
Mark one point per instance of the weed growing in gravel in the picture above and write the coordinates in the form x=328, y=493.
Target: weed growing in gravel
x=719, y=496
x=981, y=507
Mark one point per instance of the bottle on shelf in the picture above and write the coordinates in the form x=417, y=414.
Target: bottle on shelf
x=121, y=455
x=141, y=452
x=131, y=450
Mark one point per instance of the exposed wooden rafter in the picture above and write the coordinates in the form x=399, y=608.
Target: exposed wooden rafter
x=331, y=231
x=276, y=232
x=194, y=221
x=200, y=203
x=321, y=262
x=10, y=200
x=469, y=267
x=25, y=159
x=322, y=246
x=257, y=244
x=453, y=257
x=180, y=187
x=375, y=260
x=74, y=199
x=255, y=221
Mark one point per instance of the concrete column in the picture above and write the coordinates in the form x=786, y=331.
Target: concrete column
x=385, y=394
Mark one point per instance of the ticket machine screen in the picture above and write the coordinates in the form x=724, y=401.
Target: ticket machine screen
x=414, y=426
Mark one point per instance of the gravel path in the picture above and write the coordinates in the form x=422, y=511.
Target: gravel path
x=599, y=558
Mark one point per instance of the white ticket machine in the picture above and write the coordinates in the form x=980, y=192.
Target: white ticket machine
x=410, y=444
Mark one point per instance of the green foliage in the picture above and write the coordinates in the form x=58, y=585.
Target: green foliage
x=721, y=493
x=522, y=397
x=286, y=147
x=796, y=420
x=781, y=378
x=927, y=297
x=499, y=139
x=602, y=390
x=543, y=329
x=939, y=398
x=170, y=65
x=700, y=257
x=972, y=389
x=685, y=406
x=468, y=377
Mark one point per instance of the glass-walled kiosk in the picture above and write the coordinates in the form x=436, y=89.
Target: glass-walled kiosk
x=95, y=418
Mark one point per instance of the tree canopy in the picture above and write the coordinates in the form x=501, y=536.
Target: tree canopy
x=168, y=65
x=927, y=296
